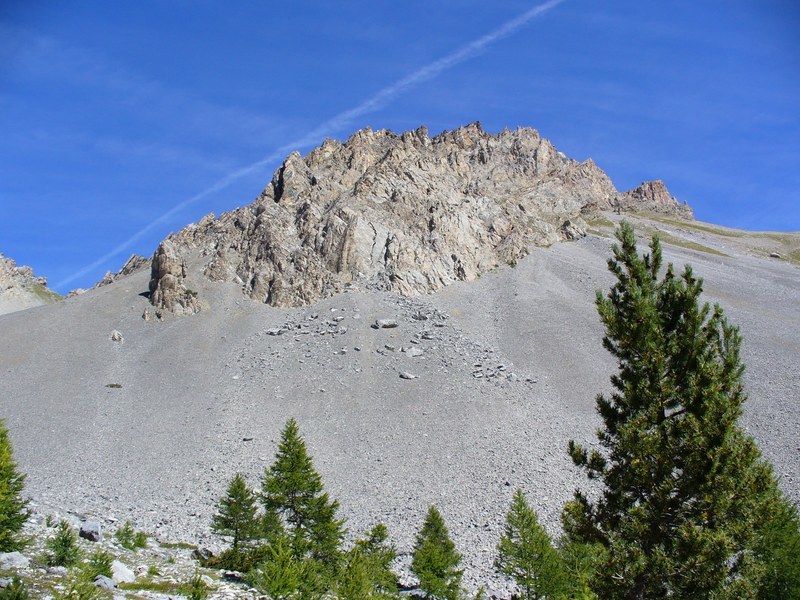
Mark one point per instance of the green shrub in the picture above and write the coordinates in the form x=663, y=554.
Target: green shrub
x=15, y=591
x=99, y=563
x=196, y=588
x=129, y=538
x=64, y=550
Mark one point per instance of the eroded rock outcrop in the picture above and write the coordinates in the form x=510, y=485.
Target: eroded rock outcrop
x=167, y=274
x=407, y=213
x=654, y=196
x=21, y=289
x=134, y=264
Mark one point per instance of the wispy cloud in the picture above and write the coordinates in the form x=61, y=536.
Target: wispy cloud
x=340, y=121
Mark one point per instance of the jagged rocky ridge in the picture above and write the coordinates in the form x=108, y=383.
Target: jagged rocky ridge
x=406, y=213
x=20, y=288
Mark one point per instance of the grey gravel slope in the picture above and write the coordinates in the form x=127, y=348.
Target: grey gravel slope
x=205, y=396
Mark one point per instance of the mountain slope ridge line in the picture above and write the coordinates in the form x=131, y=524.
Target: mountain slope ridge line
x=400, y=212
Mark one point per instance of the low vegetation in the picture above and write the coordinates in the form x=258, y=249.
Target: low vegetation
x=687, y=507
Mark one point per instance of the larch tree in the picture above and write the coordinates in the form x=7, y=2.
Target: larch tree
x=13, y=507
x=236, y=513
x=292, y=489
x=435, y=560
x=526, y=553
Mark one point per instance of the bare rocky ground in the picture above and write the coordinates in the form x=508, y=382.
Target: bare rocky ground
x=504, y=372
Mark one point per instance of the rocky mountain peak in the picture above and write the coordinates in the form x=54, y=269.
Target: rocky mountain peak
x=401, y=212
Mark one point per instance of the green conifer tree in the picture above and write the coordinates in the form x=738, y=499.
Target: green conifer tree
x=366, y=572
x=63, y=547
x=435, y=560
x=236, y=513
x=292, y=489
x=13, y=508
x=779, y=551
x=282, y=574
x=684, y=491
x=526, y=553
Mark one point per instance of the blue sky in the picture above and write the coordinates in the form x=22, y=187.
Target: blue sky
x=123, y=121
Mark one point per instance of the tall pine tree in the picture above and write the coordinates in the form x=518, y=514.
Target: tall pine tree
x=13, y=507
x=292, y=489
x=685, y=492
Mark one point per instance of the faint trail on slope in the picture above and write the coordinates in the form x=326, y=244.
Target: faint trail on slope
x=336, y=123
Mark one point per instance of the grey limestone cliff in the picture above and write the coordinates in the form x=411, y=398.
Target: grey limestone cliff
x=400, y=212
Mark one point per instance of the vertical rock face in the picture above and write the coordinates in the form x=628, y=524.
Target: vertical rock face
x=404, y=212
x=167, y=274
x=21, y=289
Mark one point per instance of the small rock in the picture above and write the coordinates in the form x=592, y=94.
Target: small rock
x=407, y=375
x=412, y=352
x=775, y=255
x=5, y=582
x=202, y=554
x=90, y=530
x=116, y=336
x=120, y=573
x=385, y=324
x=104, y=583
x=13, y=560
x=389, y=347
x=274, y=331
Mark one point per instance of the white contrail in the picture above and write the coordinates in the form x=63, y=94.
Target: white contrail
x=336, y=123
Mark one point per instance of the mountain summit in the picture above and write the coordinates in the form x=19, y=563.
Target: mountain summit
x=407, y=213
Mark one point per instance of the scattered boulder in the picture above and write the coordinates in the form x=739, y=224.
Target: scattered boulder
x=116, y=336
x=13, y=560
x=573, y=229
x=104, y=583
x=91, y=530
x=407, y=375
x=385, y=324
x=202, y=554
x=120, y=573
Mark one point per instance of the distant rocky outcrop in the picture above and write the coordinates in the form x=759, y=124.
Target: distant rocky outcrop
x=407, y=213
x=655, y=197
x=21, y=289
x=134, y=264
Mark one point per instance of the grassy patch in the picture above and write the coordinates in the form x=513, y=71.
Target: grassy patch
x=46, y=294
x=600, y=221
x=179, y=545
x=598, y=232
x=696, y=225
x=676, y=241
x=148, y=585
